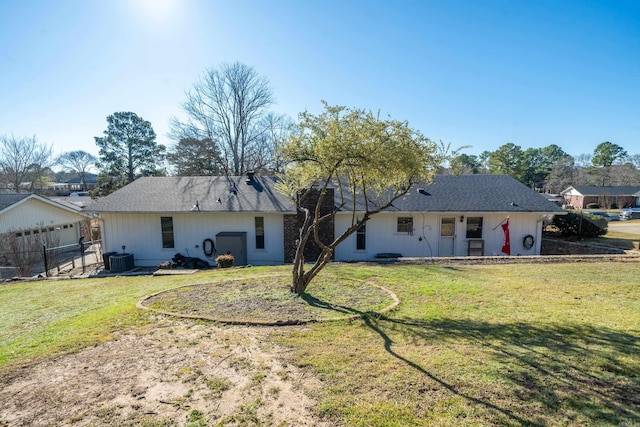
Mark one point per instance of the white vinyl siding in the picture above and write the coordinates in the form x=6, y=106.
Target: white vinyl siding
x=34, y=214
x=141, y=236
x=382, y=236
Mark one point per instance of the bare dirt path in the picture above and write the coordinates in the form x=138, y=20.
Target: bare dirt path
x=174, y=373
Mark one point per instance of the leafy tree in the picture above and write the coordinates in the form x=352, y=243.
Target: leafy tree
x=608, y=153
x=227, y=106
x=604, y=156
x=483, y=161
x=363, y=157
x=538, y=162
x=80, y=162
x=23, y=161
x=464, y=164
x=507, y=159
x=106, y=184
x=127, y=150
x=552, y=153
x=535, y=169
x=580, y=224
x=195, y=157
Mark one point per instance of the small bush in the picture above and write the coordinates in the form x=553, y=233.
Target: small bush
x=593, y=206
x=225, y=261
x=581, y=225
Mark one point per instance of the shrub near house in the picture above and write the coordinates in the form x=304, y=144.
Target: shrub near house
x=225, y=261
x=580, y=224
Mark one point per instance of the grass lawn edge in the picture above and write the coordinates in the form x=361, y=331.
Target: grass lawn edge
x=252, y=322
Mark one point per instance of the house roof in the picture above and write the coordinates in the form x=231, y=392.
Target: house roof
x=10, y=199
x=89, y=178
x=594, y=190
x=447, y=193
x=472, y=193
x=74, y=202
x=210, y=193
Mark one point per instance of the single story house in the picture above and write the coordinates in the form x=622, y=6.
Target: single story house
x=27, y=214
x=606, y=197
x=75, y=185
x=156, y=217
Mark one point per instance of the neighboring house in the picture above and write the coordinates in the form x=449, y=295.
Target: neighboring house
x=156, y=217
x=606, y=197
x=27, y=214
x=75, y=184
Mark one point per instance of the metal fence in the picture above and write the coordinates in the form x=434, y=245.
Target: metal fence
x=51, y=260
x=70, y=257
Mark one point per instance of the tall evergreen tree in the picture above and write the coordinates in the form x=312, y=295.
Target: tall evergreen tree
x=128, y=149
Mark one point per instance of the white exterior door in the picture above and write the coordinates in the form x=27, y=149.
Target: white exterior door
x=447, y=236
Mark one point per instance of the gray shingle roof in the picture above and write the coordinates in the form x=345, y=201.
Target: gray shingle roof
x=467, y=193
x=180, y=194
x=89, y=178
x=7, y=200
x=593, y=190
x=473, y=193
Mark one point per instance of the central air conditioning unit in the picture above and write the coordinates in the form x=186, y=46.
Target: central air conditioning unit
x=121, y=262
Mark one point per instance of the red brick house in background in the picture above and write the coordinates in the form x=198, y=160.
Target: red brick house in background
x=75, y=185
x=606, y=197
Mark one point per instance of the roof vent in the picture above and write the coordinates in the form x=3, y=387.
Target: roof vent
x=250, y=176
x=423, y=191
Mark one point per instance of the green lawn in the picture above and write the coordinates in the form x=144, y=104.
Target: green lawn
x=617, y=239
x=555, y=344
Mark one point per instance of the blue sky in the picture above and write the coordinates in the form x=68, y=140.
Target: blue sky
x=479, y=73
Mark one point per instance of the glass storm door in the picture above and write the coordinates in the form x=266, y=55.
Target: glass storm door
x=447, y=236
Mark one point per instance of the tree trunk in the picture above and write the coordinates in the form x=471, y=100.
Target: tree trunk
x=300, y=283
x=301, y=279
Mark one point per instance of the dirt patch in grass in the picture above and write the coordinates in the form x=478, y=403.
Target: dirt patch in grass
x=269, y=301
x=186, y=372
x=175, y=373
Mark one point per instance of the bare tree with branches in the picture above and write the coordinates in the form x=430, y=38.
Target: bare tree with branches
x=23, y=161
x=226, y=106
x=266, y=153
x=23, y=249
x=79, y=162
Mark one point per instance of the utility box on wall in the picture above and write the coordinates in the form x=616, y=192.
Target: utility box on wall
x=234, y=243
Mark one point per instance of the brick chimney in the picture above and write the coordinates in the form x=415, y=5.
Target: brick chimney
x=293, y=223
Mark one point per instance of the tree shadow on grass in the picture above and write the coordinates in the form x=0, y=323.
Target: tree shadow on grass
x=571, y=371
x=318, y=303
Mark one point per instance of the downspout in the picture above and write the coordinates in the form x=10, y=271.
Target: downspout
x=538, y=243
